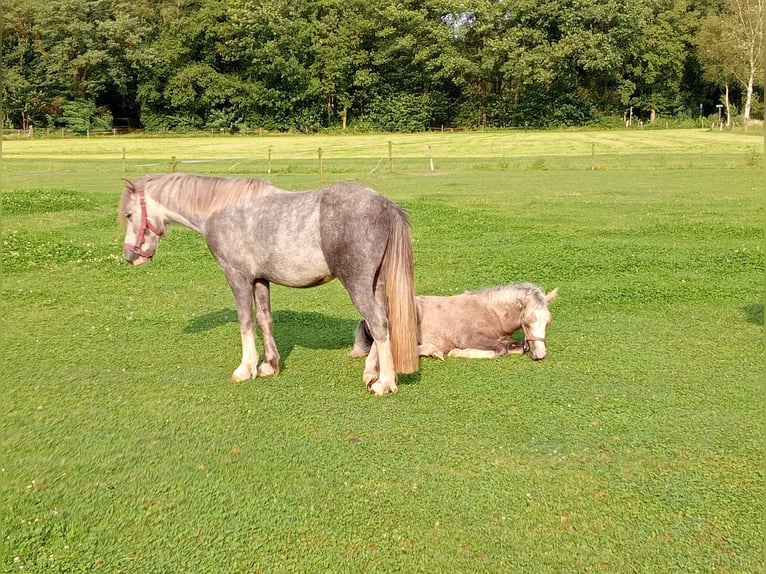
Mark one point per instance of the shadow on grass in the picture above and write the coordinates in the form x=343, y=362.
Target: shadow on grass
x=754, y=313
x=210, y=321
x=307, y=329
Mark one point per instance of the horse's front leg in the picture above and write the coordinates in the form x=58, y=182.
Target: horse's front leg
x=243, y=294
x=489, y=349
x=270, y=365
x=474, y=354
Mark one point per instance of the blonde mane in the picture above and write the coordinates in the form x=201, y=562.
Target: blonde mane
x=528, y=293
x=199, y=195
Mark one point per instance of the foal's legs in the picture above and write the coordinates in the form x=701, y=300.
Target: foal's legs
x=490, y=350
x=270, y=365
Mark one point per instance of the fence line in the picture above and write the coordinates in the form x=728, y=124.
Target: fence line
x=174, y=161
x=307, y=161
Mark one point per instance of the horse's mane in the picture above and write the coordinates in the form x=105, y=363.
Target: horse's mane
x=201, y=195
x=528, y=293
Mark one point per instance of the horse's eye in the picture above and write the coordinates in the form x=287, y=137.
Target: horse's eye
x=128, y=216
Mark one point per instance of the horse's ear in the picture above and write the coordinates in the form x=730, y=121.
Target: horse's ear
x=129, y=185
x=552, y=295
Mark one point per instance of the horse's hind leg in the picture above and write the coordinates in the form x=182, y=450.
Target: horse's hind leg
x=380, y=361
x=371, y=366
x=362, y=341
x=270, y=365
x=379, y=373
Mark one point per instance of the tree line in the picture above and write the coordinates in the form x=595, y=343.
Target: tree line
x=399, y=65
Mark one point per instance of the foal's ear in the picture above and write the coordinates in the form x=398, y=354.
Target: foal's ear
x=129, y=185
x=552, y=295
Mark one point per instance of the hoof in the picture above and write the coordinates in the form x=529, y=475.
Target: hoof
x=266, y=370
x=242, y=373
x=369, y=378
x=378, y=388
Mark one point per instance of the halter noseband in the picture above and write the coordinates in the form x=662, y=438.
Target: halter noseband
x=145, y=224
x=528, y=340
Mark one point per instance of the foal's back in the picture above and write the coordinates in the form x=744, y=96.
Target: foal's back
x=456, y=321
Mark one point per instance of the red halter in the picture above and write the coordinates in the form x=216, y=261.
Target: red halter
x=145, y=224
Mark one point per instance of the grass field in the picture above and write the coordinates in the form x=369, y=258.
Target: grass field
x=636, y=446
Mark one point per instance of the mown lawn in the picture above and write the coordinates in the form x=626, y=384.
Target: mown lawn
x=636, y=446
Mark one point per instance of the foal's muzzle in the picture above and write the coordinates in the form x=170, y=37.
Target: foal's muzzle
x=528, y=348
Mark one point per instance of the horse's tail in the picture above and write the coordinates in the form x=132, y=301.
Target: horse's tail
x=398, y=267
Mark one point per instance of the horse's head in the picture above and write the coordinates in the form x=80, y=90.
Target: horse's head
x=534, y=321
x=142, y=234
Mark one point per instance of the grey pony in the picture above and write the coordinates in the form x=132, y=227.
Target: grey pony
x=261, y=234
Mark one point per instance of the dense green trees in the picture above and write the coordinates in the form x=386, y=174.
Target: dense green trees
x=389, y=64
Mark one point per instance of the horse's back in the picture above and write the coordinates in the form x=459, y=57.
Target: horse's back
x=352, y=202
x=455, y=321
x=304, y=238
x=276, y=237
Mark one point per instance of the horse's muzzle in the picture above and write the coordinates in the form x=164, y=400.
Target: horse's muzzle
x=133, y=258
x=534, y=352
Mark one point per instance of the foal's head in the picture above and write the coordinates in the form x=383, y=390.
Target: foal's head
x=535, y=318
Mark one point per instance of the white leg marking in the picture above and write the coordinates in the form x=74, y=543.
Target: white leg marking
x=386, y=382
x=473, y=354
x=248, y=368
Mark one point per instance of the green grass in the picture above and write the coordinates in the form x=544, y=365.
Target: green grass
x=636, y=446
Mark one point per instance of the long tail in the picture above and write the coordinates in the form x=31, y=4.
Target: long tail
x=398, y=267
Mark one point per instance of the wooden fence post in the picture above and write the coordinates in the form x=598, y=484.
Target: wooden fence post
x=173, y=164
x=390, y=157
x=268, y=165
x=321, y=171
x=430, y=157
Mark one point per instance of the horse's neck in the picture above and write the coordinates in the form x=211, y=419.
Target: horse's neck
x=173, y=210
x=508, y=313
x=189, y=202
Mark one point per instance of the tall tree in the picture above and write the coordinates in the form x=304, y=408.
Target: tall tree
x=730, y=46
x=341, y=57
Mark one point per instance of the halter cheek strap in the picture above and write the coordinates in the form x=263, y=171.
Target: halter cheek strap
x=145, y=224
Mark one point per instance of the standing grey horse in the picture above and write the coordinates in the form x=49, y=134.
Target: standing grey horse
x=259, y=234
x=478, y=324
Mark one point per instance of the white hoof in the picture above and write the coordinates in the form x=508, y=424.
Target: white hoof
x=265, y=370
x=379, y=388
x=242, y=373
